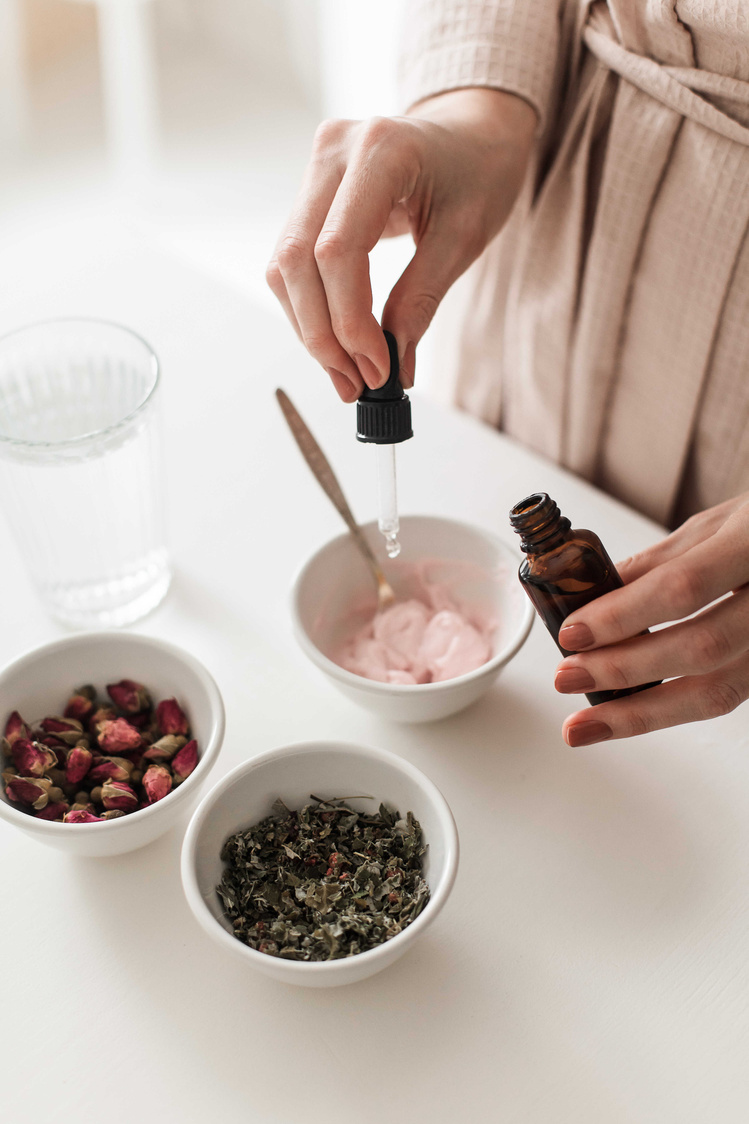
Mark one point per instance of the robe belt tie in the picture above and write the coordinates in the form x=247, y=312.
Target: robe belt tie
x=676, y=87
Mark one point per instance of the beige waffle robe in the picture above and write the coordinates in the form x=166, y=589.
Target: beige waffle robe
x=608, y=325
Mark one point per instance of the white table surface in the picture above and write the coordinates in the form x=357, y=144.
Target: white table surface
x=591, y=964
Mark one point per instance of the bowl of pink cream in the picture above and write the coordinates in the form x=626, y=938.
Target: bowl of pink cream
x=459, y=618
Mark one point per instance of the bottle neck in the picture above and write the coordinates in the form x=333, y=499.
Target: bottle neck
x=540, y=524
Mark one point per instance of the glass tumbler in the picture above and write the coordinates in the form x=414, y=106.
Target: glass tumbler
x=81, y=472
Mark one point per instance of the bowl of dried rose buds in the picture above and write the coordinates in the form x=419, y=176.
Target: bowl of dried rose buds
x=107, y=738
x=320, y=863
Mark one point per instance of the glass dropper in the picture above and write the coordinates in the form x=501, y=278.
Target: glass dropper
x=383, y=419
x=387, y=494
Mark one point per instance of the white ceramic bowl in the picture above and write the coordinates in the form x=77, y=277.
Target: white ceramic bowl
x=39, y=683
x=327, y=769
x=336, y=584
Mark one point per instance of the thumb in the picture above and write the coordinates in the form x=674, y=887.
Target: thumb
x=416, y=296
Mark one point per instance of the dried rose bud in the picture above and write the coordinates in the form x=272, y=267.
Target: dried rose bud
x=56, y=724
x=112, y=814
x=77, y=765
x=81, y=703
x=53, y=742
x=141, y=721
x=73, y=737
x=117, y=794
x=130, y=697
x=95, y=794
x=165, y=748
x=101, y=714
x=136, y=776
x=170, y=718
x=31, y=759
x=79, y=815
x=51, y=756
x=111, y=769
x=118, y=736
x=68, y=730
x=53, y=811
x=61, y=738
x=185, y=761
x=8, y=775
x=59, y=780
x=132, y=756
x=29, y=790
x=55, y=794
x=82, y=806
x=78, y=707
x=157, y=782
x=16, y=728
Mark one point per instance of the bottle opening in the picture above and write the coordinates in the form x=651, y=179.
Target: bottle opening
x=529, y=504
x=538, y=521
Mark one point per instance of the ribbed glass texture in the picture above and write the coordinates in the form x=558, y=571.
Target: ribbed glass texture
x=81, y=472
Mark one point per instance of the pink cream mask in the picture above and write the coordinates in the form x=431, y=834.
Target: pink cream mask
x=428, y=637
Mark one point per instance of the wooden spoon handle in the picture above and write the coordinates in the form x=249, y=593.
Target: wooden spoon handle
x=325, y=476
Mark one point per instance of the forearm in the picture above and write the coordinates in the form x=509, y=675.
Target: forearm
x=495, y=118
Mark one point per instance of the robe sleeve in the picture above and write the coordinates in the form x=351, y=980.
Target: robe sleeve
x=508, y=45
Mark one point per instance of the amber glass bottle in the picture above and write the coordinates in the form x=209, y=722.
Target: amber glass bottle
x=563, y=569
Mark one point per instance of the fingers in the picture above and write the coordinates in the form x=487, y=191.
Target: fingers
x=689, y=699
x=704, y=659
x=704, y=643
x=380, y=173
x=320, y=270
x=407, y=364
x=294, y=279
x=438, y=261
x=434, y=174
x=695, y=530
x=672, y=590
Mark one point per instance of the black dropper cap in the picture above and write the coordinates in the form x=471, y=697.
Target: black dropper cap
x=383, y=416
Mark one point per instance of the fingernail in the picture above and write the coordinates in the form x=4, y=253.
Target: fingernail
x=570, y=679
x=586, y=733
x=369, y=372
x=574, y=637
x=343, y=384
x=407, y=363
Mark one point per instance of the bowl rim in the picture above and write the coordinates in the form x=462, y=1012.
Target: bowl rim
x=437, y=897
x=373, y=686
x=205, y=762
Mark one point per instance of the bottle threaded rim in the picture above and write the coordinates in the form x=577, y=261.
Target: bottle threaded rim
x=538, y=521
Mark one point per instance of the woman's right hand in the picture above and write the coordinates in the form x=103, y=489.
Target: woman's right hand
x=449, y=173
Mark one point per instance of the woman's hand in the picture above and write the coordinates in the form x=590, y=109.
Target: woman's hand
x=705, y=658
x=449, y=173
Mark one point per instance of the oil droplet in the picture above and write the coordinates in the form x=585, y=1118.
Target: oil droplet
x=392, y=546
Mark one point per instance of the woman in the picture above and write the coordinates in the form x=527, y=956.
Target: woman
x=592, y=160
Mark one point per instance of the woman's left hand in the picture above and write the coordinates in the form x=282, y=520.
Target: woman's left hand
x=705, y=658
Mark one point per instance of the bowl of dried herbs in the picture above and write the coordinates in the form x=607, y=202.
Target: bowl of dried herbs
x=320, y=863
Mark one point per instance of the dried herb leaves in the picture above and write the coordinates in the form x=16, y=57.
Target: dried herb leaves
x=324, y=882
